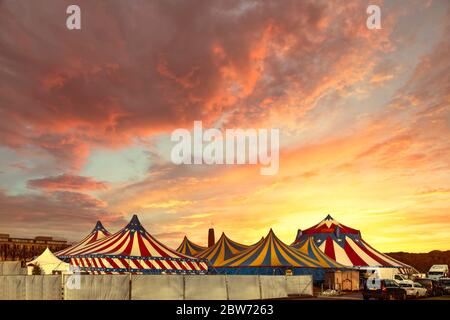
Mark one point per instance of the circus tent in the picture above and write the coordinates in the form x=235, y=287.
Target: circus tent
x=272, y=252
x=190, y=248
x=309, y=248
x=133, y=250
x=48, y=264
x=346, y=246
x=99, y=232
x=222, y=250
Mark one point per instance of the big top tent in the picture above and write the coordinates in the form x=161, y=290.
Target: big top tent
x=346, y=246
x=99, y=232
x=309, y=248
x=133, y=250
x=272, y=252
x=189, y=248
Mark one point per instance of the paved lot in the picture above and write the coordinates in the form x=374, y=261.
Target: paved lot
x=358, y=296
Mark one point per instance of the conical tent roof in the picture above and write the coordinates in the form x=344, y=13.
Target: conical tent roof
x=308, y=247
x=190, y=248
x=48, y=263
x=271, y=252
x=329, y=225
x=346, y=246
x=99, y=232
x=133, y=249
x=222, y=250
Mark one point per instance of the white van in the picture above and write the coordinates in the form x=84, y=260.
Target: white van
x=438, y=271
x=402, y=279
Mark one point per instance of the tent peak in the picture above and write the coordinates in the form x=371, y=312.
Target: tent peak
x=135, y=224
x=99, y=226
x=328, y=217
x=270, y=234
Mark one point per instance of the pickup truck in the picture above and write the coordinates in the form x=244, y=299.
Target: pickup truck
x=434, y=288
x=383, y=289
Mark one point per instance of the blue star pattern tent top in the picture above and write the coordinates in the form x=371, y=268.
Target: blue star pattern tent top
x=99, y=232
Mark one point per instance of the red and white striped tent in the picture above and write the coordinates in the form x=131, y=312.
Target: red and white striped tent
x=133, y=250
x=99, y=232
x=346, y=246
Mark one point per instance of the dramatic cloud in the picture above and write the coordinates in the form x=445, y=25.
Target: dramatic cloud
x=67, y=181
x=363, y=114
x=141, y=68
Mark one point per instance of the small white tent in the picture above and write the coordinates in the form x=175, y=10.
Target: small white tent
x=48, y=263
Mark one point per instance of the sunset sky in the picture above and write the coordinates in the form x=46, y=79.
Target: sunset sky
x=364, y=118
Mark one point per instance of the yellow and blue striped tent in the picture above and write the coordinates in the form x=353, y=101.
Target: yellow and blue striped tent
x=189, y=248
x=272, y=252
x=308, y=247
x=223, y=249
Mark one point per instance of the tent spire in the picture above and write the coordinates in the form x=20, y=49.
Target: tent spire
x=134, y=224
x=99, y=226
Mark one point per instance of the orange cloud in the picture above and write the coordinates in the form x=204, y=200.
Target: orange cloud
x=67, y=182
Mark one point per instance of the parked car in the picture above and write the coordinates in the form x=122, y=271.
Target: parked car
x=433, y=286
x=383, y=289
x=445, y=285
x=415, y=290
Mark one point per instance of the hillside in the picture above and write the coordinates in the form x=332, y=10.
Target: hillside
x=422, y=261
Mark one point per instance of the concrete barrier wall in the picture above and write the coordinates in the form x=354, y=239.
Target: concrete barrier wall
x=299, y=285
x=273, y=287
x=157, y=287
x=12, y=287
x=203, y=287
x=97, y=287
x=11, y=268
x=43, y=287
x=243, y=287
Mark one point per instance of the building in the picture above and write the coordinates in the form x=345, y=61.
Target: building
x=22, y=249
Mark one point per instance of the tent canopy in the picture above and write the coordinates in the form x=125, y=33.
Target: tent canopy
x=48, y=263
x=329, y=225
x=190, y=248
x=134, y=250
x=223, y=249
x=345, y=245
x=308, y=247
x=272, y=252
x=99, y=232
